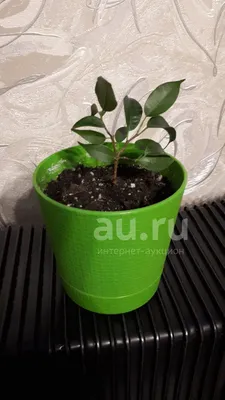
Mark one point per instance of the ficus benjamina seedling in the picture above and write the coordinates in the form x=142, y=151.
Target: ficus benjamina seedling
x=149, y=154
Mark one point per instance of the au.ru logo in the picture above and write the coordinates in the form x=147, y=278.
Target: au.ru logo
x=107, y=230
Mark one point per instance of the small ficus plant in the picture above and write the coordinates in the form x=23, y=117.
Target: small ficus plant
x=149, y=154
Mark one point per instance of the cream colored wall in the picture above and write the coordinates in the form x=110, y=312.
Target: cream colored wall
x=51, y=53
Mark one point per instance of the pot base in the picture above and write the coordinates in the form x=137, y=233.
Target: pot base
x=111, y=305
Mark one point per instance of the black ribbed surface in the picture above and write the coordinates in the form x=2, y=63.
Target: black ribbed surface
x=173, y=348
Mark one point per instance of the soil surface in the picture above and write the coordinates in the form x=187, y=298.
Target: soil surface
x=92, y=188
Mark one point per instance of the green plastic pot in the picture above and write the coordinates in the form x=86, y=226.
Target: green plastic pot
x=109, y=262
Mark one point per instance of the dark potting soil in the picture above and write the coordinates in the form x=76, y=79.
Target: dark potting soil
x=92, y=188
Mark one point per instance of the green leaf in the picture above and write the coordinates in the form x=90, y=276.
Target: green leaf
x=105, y=94
x=133, y=153
x=155, y=164
x=162, y=98
x=149, y=147
x=160, y=122
x=91, y=136
x=157, y=122
x=121, y=134
x=94, y=109
x=88, y=121
x=133, y=112
x=99, y=152
x=172, y=134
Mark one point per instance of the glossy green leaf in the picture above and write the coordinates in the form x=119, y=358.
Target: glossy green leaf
x=149, y=146
x=88, y=121
x=133, y=153
x=99, y=152
x=105, y=94
x=121, y=134
x=155, y=164
x=91, y=136
x=133, y=112
x=162, y=98
x=172, y=134
x=160, y=122
x=94, y=109
x=157, y=122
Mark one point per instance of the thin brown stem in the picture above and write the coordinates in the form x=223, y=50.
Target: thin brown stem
x=115, y=169
x=118, y=154
x=110, y=135
x=138, y=133
x=143, y=130
x=114, y=144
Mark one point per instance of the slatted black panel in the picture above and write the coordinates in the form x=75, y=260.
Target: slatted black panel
x=173, y=348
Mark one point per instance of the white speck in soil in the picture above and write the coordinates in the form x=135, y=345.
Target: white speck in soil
x=92, y=173
x=92, y=197
x=79, y=175
x=129, y=194
x=100, y=184
x=132, y=185
x=69, y=205
x=82, y=181
x=93, y=179
x=99, y=196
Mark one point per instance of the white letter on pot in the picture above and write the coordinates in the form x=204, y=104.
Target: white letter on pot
x=184, y=230
x=131, y=235
x=155, y=227
x=104, y=232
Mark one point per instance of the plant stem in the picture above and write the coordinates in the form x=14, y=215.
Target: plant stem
x=138, y=133
x=115, y=168
x=110, y=135
x=118, y=154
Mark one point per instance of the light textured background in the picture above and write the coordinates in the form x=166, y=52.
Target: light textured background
x=51, y=53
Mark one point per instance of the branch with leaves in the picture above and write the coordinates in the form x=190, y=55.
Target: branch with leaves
x=151, y=155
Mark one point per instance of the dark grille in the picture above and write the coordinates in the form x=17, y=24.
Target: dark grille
x=172, y=348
